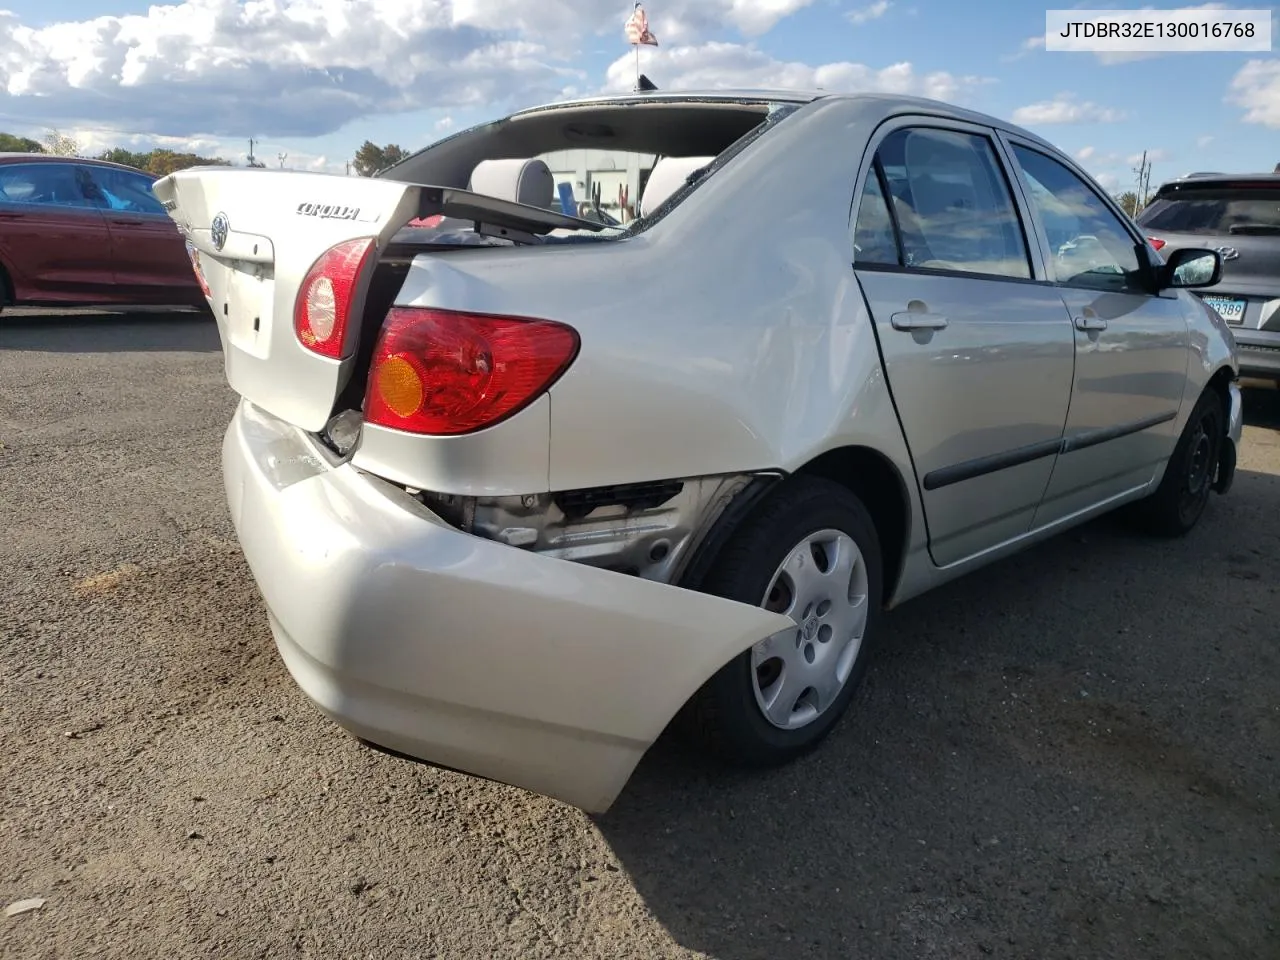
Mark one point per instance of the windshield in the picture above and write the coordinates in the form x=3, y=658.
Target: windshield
x=1215, y=210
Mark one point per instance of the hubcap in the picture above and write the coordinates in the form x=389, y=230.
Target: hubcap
x=822, y=586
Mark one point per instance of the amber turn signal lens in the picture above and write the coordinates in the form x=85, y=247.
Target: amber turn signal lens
x=399, y=386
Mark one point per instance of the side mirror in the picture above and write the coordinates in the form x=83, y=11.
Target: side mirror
x=1191, y=268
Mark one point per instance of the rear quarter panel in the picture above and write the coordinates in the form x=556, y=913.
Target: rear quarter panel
x=729, y=336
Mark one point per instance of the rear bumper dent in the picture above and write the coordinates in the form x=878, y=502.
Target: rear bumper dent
x=542, y=673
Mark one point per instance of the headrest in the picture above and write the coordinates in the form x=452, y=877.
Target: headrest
x=668, y=176
x=522, y=181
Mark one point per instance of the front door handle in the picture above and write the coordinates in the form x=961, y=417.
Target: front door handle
x=1088, y=323
x=912, y=320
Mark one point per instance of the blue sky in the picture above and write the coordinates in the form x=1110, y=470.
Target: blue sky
x=313, y=83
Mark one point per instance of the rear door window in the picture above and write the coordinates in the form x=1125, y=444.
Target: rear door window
x=874, y=240
x=952, y=203
x=124, y=191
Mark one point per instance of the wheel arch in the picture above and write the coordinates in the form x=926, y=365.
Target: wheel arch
x=872, y=478
x=1220, y=383
x=865, y=472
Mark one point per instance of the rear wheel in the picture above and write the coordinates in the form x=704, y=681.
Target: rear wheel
x=811, y=554
x=1180, y=500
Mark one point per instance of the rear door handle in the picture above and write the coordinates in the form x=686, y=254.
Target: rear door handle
x=1090, y=323
x=911, y=320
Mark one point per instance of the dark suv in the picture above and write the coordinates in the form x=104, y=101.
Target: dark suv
x=1239, y=216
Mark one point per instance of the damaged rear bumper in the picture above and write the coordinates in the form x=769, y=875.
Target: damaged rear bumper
x=547, y=674
x=1226, y=472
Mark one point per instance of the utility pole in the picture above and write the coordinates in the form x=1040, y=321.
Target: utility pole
x=251, y=151
x=1144, y=182
x=281, y=157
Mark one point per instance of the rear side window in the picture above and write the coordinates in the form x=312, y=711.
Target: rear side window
x=1220, y=209
x=873, y=237
x=952, y=204
x=1090, y=246
x=125, y=191
x=44, y=184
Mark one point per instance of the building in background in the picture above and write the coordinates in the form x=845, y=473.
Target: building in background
x=614, y=171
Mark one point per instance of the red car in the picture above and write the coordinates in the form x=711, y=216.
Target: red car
x=88, y=232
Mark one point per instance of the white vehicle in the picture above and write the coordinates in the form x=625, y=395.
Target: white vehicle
x=519, y=488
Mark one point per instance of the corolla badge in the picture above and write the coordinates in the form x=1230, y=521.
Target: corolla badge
x=1227, y=253
x=218, y=231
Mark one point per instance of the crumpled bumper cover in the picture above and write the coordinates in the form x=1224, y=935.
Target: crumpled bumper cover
x=1226, y=474
x=542, y=673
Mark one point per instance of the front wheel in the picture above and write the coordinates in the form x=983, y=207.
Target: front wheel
x=1180, y=500
x=811, y=554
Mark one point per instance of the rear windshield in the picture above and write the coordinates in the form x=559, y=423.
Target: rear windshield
x=1216, y=210
x=593, y=162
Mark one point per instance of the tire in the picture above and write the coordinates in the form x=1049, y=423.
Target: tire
x=730, y=716
x=1180, y=500
x=6, y=290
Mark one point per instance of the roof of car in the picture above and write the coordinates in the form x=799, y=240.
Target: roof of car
x=54, y=158
x=891, y=103
x=1206, y=179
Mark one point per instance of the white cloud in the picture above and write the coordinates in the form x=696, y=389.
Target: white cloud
x=873, y=11
x=1204, y=141
x=1026, y=48
x=1084, y=153
x=1107, y=181
x=444, y=123
x=307, y=67
x=1256, y=88
x=717, y=65
x=1065, y=108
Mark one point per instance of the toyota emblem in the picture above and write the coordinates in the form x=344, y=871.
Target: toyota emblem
x=218, y=231
x=1227, y=253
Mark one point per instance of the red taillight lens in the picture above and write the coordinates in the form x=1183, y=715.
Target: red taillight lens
x=443, y=373
x=194, y=256
x=1156, y=242
x=323, y=307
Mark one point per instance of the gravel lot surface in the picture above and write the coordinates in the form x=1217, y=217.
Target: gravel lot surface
x=1072, y=754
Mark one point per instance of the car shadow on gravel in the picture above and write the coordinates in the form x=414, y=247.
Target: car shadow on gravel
x=1069, y=754
x=108, y=332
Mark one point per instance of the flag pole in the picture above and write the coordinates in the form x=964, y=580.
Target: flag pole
x=637, y=48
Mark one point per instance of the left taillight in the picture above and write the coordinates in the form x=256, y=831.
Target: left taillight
x=322, y=312
x=194, y=256
x=446, y=372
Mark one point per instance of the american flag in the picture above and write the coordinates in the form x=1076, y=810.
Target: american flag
x=637, y=27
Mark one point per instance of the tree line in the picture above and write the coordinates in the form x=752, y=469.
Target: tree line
x=159, y=162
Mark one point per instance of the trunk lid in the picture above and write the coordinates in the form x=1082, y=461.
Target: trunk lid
x=254, y=236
